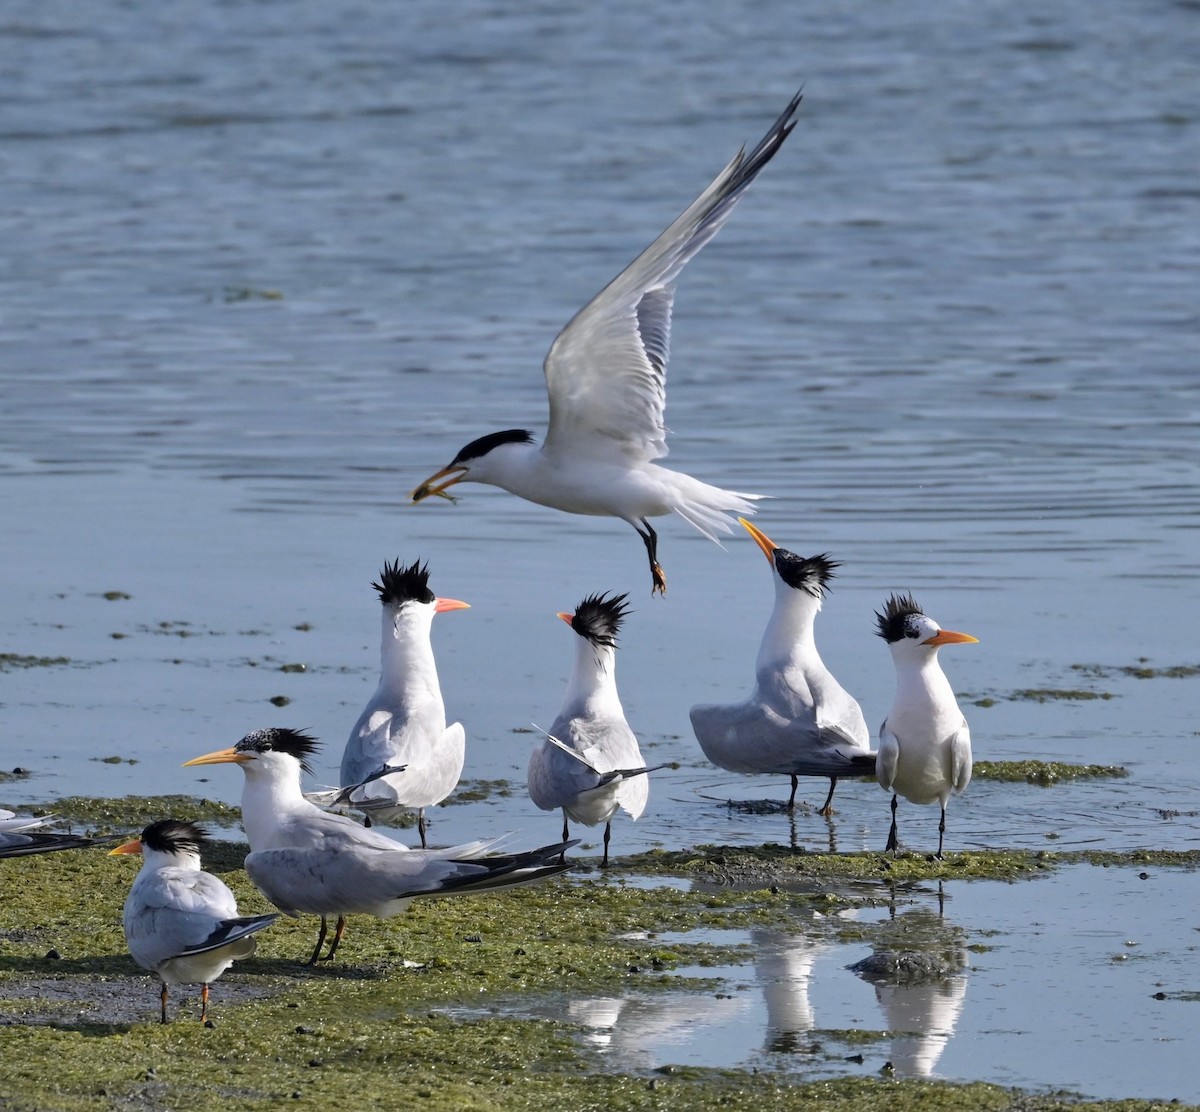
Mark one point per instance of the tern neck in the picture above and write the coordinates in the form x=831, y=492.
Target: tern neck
x=267, y=796
x=918, y=670
x=406, y=666
x=593, y=676
x=789, y=633
x=158, y=859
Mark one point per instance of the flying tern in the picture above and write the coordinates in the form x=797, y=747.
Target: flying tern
x=182, y=923
x=924, y=743
x=589, y=763
x=798, y=721
x=404, y=724
x=20, y=836
x=606, y=380
x=309, y=861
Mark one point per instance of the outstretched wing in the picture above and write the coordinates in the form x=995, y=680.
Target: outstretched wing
x=606, y=371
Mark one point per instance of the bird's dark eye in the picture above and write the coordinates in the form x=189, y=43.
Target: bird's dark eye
x=910, y=632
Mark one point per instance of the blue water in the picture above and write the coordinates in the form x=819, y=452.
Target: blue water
x=268, y=265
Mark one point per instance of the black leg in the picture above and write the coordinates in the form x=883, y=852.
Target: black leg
x=650, y=540
x=791, y=806
x=421, y=827
x=163, y=997
x=339, y=930
x=316, y=954
x=893, y=842
x=607, y=836
x=941, y=833
x=827, y=806
x=562, y=857
x=367, y=821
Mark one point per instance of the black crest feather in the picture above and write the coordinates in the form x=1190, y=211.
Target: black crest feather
x=892, y=622
x=599, y=618
x=805, y=573
x=399, y=585
x=173, y=836
x=295, y=743
x=485, y=444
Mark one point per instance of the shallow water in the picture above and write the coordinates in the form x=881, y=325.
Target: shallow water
x=1106, y=1008
x=269, y=266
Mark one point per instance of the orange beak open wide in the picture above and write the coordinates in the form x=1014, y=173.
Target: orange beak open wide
x=761, y=539
x=949, y=637
x=438, y=483
x=220, y=757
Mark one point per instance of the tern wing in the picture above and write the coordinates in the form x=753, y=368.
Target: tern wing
x=172, y=911
x=888, y=759
x=960, y=758
x=606, y=371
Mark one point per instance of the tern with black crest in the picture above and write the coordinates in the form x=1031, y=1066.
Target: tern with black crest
x=924, y=743
x=606, y=381
x=798, y=721
x=403, y=727
x=182, y=923
x=590, y=763
x=309, y=861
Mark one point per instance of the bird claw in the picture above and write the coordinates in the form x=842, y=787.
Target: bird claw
x=660, y=581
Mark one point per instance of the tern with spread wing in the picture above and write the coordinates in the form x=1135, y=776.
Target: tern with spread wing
x=309, y=861
x=21, y=836
x=606, y=380
x=589, y=763
x=799, y=721
x=182, y=923
x=924, y=743
x=404, y=724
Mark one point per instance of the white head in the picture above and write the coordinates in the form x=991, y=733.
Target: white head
x=408, y=603
x=167, y=842
x=911, y=634
x=276, y=753
x=486, y=460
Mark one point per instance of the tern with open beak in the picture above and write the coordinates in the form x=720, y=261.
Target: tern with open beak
x=182, y=923
x=606, y=380
x=404, y=724
x=589, y=763
x=309, y=861
x=798, y=721
x=924, y=743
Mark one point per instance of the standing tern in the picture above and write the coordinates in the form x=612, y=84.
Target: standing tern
x=404, y=724
x=924, y=743
x=20, y=836
x=181, y=922
x=590, y=763
x=798, y=721
x=306, y=860
x=606, y=380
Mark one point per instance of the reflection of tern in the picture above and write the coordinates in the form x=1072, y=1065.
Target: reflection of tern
x=798, y=721
x=404, y=724
x=306, y=860
x=606, y=379
x=920, y=993
x=182, y=923
x=924, y=743
x=589, y=763
x=783, y=964
x=21, y=836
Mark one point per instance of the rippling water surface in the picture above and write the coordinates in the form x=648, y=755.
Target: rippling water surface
x=267, y=265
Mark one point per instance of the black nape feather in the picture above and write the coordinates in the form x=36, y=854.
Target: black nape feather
x=805, y=573
x=485, y=444
x=398, y=585
x=893, y=623
x=295, y=743
x=173, y=836
x=599, y=618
